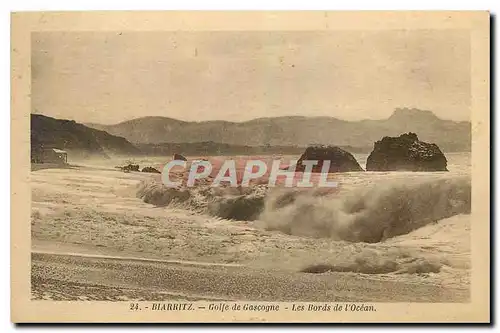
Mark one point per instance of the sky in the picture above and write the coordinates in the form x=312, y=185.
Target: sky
x=110, y=77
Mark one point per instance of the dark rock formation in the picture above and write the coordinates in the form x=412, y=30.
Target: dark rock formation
x=130, y=167
x=405, y=153
x=179, y=157
x=78, y=140
x=340, y=160
x=150, y=169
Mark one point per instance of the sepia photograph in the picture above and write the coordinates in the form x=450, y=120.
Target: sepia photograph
x=282, y=169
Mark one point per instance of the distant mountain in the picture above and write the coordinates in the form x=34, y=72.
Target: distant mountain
x=76, y=138
x=297, y=131
x=209, y=148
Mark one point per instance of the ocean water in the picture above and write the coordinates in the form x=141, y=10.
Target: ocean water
x=390, y=225
x=366, y=206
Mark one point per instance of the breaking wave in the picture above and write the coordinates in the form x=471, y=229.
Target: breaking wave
x=224, y=202
x=371, y=261
x=363, y=214
x=367, y=214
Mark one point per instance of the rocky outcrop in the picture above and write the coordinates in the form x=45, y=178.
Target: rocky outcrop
x=130, y=167
x=179, y=157
x=150, y=169
x=405, y=153
x=340, y=160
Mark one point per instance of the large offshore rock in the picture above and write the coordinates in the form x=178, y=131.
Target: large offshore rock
x=340, y=160
x=405, y=153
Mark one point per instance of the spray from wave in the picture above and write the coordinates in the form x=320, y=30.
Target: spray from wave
x=367, y=214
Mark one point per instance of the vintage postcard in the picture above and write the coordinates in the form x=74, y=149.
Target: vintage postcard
x=250, y=167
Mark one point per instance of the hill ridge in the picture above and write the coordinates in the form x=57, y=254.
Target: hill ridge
x=297, y=130
x=76, y=138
